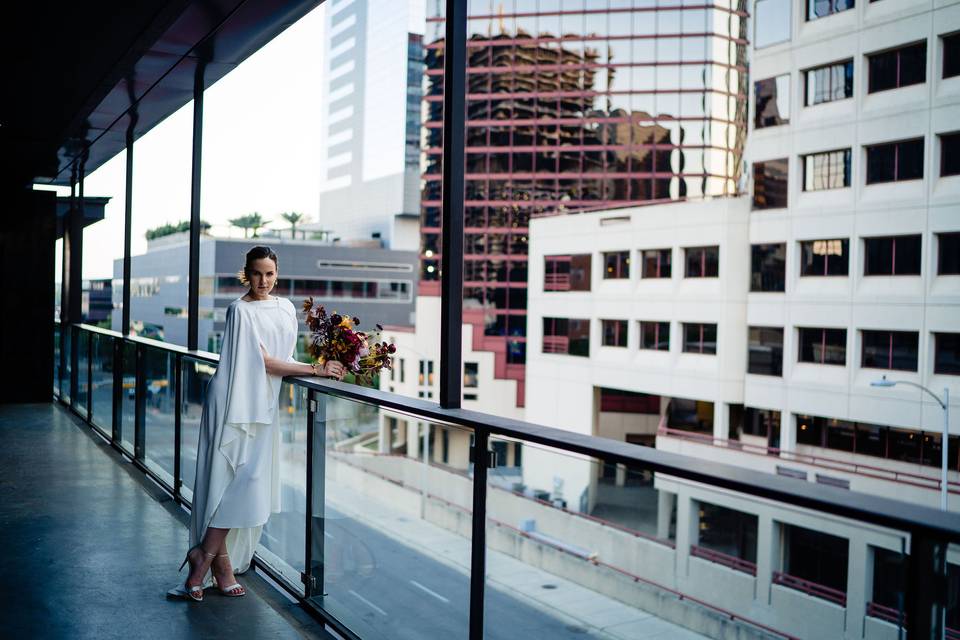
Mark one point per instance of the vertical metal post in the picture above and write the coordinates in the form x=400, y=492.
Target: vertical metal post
x=140, y=406
x=193, y=279
x=127, y=225
x=117, y=390
x=451, y=257
x=90, y=337
x=316, y=494
x=74, y=365
x=944, y=450
x=478, y=540
x=926, y=588
x=177, y=426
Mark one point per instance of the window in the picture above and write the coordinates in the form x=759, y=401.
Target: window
x=565, y=335
x=656, y=263
x=770, y=184
x=889, y=577
x=690, y=415
x=771, y=22
x=824, y=257
x=699, y=338
x=403, y=369
x=702, y=262
x=616, y=265
x=655, y=335
x=898, y=67
x=828, y=83
x=566, y=273
x=816, y=557
x=764, y=423
x=895, y=161
x=951, y=55
x=470, y=374
x=827, y=170
x=948, y=253
x=823, y=8
x=727, y=532
x=765, y=351
x=949, y=154
x=772, y=101
x=768, y=267
x=617, y=401
x=614, y=333
x=946, y=358
x=426, y=373
x=890, y=350
x=823, y=346
x=892, y=256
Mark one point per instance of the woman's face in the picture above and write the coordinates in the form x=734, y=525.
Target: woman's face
x=262, y=275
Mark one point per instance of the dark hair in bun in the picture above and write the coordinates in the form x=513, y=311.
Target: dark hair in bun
x=257, y=253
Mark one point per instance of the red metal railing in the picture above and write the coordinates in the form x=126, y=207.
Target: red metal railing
x=879, y=473
x=556, y=344
x=810, y=588
x=887, y=614
x=731, y=562
x=952, y=634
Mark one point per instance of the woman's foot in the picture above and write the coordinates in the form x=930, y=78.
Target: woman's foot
x=200, y=562
x=223, y=573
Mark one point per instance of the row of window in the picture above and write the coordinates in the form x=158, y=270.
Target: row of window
x=889, y=69
x=396, y=290
x=883, y=256
x=897, y=161
x=896, y=350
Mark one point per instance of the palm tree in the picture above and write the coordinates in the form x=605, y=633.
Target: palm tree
x=250, y=221
x=294, y=219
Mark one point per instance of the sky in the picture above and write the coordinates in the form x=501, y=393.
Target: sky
x=261, y=151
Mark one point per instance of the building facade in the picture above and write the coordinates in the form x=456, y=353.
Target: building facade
x=373, y=71
x=573, y=107
x=376, y=285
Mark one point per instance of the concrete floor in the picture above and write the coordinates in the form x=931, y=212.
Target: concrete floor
x=90, y=546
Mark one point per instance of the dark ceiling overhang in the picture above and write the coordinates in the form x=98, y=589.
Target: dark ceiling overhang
x=95, y=73
x=93, y=207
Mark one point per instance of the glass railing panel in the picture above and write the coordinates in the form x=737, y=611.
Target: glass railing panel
x=83, y=380
x=195, y=375
x=392, y=526
x=68, y=365
x=128, y=396
x=159, y=368
x=283, y=542
x=578, y=545
x=56, y=359
x=101, y=383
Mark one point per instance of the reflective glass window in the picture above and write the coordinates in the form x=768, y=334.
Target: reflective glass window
x=827, y=170
x=890, y=350
x=768, y=264
x=823, y=346
x=772, y=101
x=770, y=184
x=828, y=83
x=892, y=256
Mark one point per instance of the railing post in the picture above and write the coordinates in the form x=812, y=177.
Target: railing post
x=140, y=406
x=478, y=539
x=316, y=490
x=926, y=588
x=90, y=337
x=74, y=363
x=193, y=269
x=177, y=427
x=117, y=390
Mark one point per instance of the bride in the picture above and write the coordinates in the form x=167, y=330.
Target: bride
x=237, y=477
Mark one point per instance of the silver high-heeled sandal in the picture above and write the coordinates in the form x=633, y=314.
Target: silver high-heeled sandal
x=195, y=592
x=236, y=589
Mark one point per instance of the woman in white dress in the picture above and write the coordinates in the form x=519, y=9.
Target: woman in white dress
x=237, y=480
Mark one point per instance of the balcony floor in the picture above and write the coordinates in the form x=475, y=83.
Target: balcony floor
x=90, y=546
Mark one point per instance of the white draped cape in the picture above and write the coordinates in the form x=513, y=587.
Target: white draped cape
x=241, y=398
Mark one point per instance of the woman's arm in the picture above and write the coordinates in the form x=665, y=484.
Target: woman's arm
x=277, y=367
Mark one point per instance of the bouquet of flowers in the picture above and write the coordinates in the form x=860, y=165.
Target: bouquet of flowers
x=336, y=337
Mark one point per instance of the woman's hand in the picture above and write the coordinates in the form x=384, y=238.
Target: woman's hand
x=333, y=369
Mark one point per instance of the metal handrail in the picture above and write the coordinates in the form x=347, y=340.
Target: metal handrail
x=731, y=562
x=810, y=588
x=866, y=470
x=877, y=510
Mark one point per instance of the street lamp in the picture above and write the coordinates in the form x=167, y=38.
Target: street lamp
x=944, y=443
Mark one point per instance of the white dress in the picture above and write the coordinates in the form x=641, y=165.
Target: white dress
x=238, y=477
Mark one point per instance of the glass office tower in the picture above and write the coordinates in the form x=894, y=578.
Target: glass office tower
x=577, y=105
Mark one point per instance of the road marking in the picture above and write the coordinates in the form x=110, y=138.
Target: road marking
x=431, y=592
x=367, y=602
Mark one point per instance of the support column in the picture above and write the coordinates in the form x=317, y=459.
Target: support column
x=721, y=420
x=687, y=522
x=384, y=436
x=413, y=438
x=193, y=279
x=767, y=556
x=666, y=501
x=858, y=559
